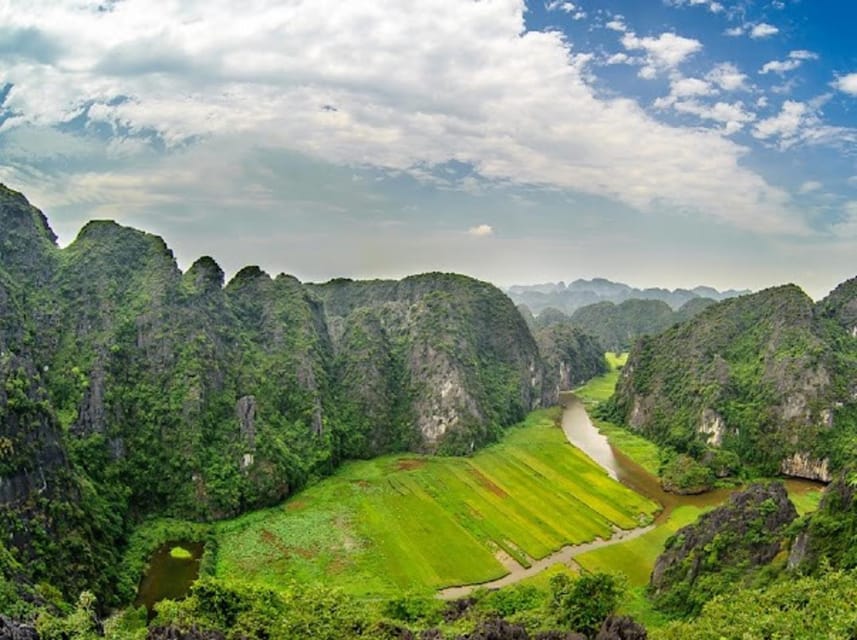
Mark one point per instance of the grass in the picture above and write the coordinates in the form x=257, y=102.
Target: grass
x=414, y=524
x=601, y=388
x=635, y=558
x=180, y=553
x=806, y=501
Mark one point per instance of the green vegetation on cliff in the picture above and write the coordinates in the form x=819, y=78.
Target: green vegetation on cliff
x=765, y=376
x=130, y=389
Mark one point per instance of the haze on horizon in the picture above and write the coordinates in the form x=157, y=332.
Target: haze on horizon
x=673, y=143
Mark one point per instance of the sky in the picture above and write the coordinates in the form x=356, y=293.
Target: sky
x=657, y=142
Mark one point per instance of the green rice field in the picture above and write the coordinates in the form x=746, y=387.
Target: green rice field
x=416, y=524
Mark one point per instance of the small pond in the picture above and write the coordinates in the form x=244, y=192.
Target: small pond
x=170, y=573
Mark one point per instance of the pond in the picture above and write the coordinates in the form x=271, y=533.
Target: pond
x=173, y=568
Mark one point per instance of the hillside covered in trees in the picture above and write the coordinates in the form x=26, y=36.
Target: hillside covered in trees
x=768, y=376
x=130, y=388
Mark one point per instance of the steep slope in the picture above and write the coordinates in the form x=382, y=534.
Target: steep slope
x=721, y=549
x=129, y=388
x=571, y=357
x=450, y=355
x=764, y=375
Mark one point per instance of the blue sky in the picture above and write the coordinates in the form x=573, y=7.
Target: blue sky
x=658, y=142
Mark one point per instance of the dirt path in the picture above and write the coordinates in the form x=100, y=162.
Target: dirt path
x=563, y=556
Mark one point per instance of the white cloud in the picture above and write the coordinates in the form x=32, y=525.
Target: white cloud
x=665, y=52
x=795, y=59
x=847, y=84
x=732, y=115
x=712, y=5
x=727, y=77
x=787, y=124
x=618, y=58
x=803, y=54
x=763, y=30
x=809, y=186
x=684, y=97
x=343, y=83
x=617, y=24
x=801, y=123
x=570, y=8
x=756, y=31
x=481, y=230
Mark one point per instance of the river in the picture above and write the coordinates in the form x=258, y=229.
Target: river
x=583, y=434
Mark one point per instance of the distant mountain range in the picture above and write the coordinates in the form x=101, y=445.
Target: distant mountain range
x=580, y=293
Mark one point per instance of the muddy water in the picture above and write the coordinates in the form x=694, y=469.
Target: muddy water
x=584, y=435
x=168, y=577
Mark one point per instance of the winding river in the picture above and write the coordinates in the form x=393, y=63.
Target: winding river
x=583, y=434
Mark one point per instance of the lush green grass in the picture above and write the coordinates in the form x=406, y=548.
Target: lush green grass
x=180, y=553
x=601, y=388
x=806, y=501
x=410, y=523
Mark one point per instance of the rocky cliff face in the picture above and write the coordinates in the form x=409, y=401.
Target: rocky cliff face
x=712, y=555
x=825, y=537
x=450, y=358
x=571, y=357
x=128, y=387
x=764, y=375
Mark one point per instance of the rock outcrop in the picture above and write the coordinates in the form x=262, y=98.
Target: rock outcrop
x=825, y=538
x=721, y=548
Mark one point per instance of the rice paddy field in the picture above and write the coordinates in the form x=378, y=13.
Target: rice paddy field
x=416, y=524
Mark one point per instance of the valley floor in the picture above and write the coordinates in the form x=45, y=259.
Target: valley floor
x=521, y=510
x=417, y=524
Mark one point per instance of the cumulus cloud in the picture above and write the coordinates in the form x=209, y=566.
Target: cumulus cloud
x=481, y=230
x=756, y=31
x=847, y=84
x=664, y=52
x=809, y=186
x=794, y=60
x=727, y=77
x=570, y=8
x=712, y=5
x=787, y=123
x=686, y=96
x=801, y=123
x=342, y=83
x=763, y=30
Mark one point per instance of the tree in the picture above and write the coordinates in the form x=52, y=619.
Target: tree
x=582, y=604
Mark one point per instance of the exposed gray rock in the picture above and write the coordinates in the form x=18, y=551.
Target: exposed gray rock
x=12, y=630
x=621, y=628
x=245, y=411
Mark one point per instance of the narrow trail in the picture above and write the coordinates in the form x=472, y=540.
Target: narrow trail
x=563, y=556
x=581, y=433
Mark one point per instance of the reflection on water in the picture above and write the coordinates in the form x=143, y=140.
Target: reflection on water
x=169, y=578
x=585, y=436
